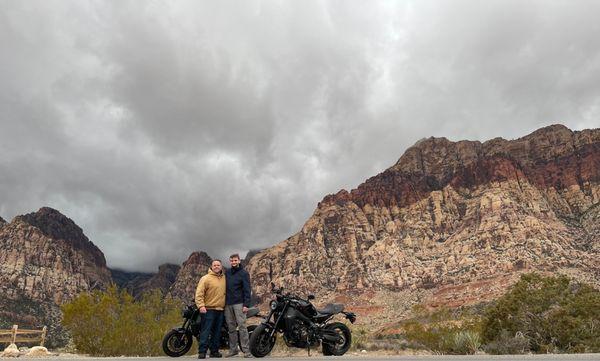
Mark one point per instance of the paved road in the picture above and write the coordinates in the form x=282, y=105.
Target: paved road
x=578, y=357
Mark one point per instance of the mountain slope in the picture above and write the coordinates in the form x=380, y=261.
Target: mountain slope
x=459, y=219
x=45, y=260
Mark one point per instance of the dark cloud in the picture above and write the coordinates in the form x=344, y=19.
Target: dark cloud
x=163, y=128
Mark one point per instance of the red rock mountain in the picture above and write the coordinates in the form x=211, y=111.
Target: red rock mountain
x=45, y=259
x=46, y=256
x=454, y=222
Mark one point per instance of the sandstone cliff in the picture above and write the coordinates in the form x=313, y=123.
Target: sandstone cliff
x=458, y=219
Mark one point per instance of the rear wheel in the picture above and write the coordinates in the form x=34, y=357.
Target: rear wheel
x=177, y=343
x=261, y=343
x=343, y=343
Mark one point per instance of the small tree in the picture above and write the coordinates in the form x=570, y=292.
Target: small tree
x=113, y=323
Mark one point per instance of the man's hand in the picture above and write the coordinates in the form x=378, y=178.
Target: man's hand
x=202, y=309
x=244, y=309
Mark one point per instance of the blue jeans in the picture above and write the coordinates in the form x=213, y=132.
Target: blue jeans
x=211, y=324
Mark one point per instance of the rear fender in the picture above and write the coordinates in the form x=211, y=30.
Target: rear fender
x=350, y=316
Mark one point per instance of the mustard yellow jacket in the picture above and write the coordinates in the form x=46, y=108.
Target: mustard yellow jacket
x=210, y=292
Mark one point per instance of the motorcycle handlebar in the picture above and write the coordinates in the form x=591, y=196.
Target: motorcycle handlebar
x=279, y=291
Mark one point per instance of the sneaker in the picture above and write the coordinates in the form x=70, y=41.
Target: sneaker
x=247, y=355
x=215, y=354
x=201, y=355
x=232, y=353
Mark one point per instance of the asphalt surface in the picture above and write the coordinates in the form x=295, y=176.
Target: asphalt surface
x=570, y=357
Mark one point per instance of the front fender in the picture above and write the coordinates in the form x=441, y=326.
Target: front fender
x=268, y=324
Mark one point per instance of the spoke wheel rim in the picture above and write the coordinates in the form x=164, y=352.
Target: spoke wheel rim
x=177, y=343
x=265, y=343
x=342, y=339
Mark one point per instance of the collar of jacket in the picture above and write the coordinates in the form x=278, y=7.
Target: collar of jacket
x=211, y=272
x=236, y=269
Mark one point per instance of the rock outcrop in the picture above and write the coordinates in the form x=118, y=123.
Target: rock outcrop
x=459, y=219
x=251, y=253
x=45, y=259
x=164, y=279
x=192, y=269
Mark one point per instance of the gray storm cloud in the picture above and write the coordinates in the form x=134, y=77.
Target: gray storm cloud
x=164, y=128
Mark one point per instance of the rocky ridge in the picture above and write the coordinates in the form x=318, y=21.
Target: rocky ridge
x=137, y=283
x=459, y=219
x=47, y=257
x=45, y=260
x=192, y=269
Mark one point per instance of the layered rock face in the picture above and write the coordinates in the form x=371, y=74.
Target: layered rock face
x=129, y=280
x=461, y=219
x=163, y=280
x=196, y=266
x=45, y=259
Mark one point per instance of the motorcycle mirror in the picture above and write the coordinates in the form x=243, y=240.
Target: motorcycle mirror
x=311, y=297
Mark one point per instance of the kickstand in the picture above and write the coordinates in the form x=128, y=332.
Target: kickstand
x=308, y=349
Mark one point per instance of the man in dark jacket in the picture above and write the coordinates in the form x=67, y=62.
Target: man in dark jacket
x=237, y=301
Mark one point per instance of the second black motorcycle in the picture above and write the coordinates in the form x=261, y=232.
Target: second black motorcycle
x=178, y=341
x=302, y=326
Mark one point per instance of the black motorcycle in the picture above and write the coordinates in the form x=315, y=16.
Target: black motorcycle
x=302, y=326
x=178, y=341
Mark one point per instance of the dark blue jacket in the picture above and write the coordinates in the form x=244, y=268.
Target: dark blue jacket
x=238, y=286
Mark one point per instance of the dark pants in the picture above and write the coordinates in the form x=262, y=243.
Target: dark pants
x=211, y=324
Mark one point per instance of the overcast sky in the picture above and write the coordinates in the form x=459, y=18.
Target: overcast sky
x=165, y=127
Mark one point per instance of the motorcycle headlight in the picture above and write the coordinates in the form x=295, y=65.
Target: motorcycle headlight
x=187, y=312
x=273, y=305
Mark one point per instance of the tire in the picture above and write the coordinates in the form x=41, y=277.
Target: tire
x=177, y=343
x=341, y=347
x=260, y=342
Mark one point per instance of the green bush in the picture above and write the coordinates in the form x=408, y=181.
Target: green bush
x=554, y=314
x=508, y=344
x=113, y=323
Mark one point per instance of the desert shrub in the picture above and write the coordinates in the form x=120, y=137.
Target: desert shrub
x=113, y=323
x=554, y=314
x=360, y=338
x=466, y=342
x=443, y=335
x=508, y=344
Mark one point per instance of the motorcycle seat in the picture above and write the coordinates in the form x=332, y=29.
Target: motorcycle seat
x=331, y=309
x=252, y=311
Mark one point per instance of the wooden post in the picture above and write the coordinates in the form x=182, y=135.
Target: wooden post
x=14, y=333
x=43, y=336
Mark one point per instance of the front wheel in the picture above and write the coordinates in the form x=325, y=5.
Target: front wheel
x=343, y=343
x=261, y=343
x=177, y=343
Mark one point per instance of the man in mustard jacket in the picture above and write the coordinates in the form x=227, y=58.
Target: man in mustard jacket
x=210, y=299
